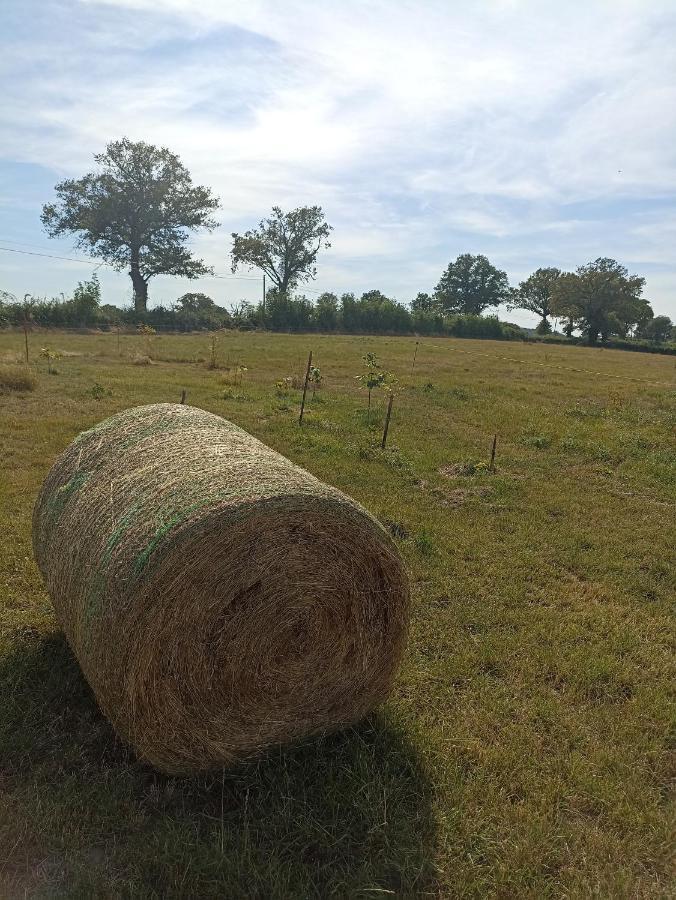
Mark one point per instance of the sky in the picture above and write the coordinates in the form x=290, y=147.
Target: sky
x=538, y=133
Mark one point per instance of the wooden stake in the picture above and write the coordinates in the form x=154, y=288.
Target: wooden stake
x=307, y=375
x=118, y=341
x=495, y=441
x=25, y=336
x=387, y=421
x=183, y=396
x=414, y=356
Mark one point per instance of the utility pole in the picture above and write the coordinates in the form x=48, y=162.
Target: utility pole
x=263, y=298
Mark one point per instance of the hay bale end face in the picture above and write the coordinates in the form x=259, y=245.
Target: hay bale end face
x=219, y=599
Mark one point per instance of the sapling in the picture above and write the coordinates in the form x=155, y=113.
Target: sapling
x=284, y=386
x=148, y=333
x=214, y=342
x=373, y=378
x=315, y=379
x=50, y=355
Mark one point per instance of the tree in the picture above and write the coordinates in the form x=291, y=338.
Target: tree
x=657, y=329
x=424, y=303
x=136, y=211
x=326, y=312
x=284, y=246
x=378, y=313
x=597, y=297
x=315, y=379
x=111, y=314
x=245, y=315
x=196, y=310
x=569, y=326
x=373, y=377
x=630, y=317
x=427, y=316
x=535, y=295
x=86, y=301
x=471, y=284
x=195, y=303
x=6, y=300
x=349, y=312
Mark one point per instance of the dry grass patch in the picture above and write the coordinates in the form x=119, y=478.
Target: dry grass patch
x=16, y=378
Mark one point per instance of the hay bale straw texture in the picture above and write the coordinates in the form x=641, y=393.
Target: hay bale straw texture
x=219, y=598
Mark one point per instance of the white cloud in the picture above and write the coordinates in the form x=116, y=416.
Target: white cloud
x=423, y=128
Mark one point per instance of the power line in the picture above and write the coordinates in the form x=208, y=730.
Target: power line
x=47, y=255
x=23, y=244
x=90, y=261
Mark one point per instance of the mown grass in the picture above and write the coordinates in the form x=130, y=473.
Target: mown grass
x=525, y=751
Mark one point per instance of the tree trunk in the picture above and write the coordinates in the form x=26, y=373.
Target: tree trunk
x=140, y=285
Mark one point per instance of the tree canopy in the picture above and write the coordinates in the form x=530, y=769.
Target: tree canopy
x=658, y=329
x=86, y=300
x=194, y=302
x=423, y=303
x=471, y=284
x=284, y=246
x=326, y=311
x=535, y=294
x=601, y=298
x=136, y=211
x=195, y=311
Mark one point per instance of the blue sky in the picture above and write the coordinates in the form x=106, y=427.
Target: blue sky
x=539, y=133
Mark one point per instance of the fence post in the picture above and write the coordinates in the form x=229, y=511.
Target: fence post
x=495, y=441
x=415, y=354
x=307, y=376
x=387, y=421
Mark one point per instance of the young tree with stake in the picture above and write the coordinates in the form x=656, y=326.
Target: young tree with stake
x=373, y=378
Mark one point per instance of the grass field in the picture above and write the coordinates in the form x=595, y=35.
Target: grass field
x=525, y=750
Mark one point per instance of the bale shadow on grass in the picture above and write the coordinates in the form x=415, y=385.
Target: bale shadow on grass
x=346, y=815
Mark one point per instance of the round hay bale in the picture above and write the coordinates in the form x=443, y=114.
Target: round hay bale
x=219, y=598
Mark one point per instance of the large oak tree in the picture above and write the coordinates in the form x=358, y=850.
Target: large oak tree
x=601, y=298
x=137, y=212
x=471, y=284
